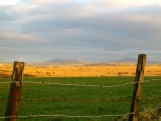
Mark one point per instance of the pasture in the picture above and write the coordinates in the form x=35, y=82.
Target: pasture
x=80, y=71
x=70, y=100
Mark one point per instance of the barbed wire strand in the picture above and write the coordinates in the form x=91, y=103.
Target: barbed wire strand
x=69, y=116
x=80, y=85
x=77, y=100
x=78, y=116
x=63, y=84
x=152, y=80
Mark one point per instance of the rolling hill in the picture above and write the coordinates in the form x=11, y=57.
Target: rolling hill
x=67, y=62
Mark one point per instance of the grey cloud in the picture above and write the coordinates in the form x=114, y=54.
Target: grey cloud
x=6, y=16
x=75, y=30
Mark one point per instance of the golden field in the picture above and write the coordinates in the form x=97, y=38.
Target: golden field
x=80, y=71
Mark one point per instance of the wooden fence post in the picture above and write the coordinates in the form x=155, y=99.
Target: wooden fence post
x=134, y=112
x=15, y=89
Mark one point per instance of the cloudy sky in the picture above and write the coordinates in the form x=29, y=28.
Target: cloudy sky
x=93, y=30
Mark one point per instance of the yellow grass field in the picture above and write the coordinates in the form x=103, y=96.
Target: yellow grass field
x=80, y=71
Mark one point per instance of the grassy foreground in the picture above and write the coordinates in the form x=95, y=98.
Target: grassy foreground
x=75, y=100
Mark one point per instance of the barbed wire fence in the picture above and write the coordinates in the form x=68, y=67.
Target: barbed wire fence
x=19, y=83
x=77, y=100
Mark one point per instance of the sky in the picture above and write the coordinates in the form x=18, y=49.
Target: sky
x=91, y=30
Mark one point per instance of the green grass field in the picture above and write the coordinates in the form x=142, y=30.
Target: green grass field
x=46, y=99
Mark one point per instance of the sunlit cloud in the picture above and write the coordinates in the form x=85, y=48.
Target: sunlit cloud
x=8, y=2
x=81, y=29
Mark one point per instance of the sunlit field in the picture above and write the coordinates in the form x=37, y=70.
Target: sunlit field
x=81, y=71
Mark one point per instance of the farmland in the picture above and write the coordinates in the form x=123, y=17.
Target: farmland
x=46, y=99
x=67, y=97
x=80, y=71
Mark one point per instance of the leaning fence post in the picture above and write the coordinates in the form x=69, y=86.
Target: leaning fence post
x=134, y=112
x=15, y=89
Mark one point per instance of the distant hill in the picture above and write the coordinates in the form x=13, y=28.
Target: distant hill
x=123, y=61
x=62, y=61
x=67, y=62
x=72, y=62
